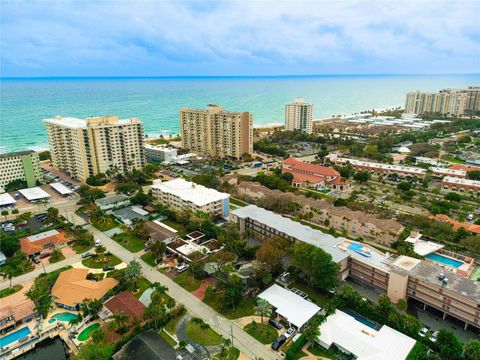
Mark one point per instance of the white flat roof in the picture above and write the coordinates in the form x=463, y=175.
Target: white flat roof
x=456, y=180
x=191, y=192
x=362, y=341
x=159, y=223
x=6, y=199
x=34, y=193
x=62, y=189
x=291, y=306
x=139, y=210
x=42, y=235
x=191, y=248
x=70, y=122
x=423, y=247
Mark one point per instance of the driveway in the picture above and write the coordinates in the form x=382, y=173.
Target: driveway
x=243, y=341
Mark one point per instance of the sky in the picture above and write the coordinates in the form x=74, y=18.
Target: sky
x=238, y=38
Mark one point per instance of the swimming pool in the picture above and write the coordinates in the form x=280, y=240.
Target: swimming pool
x=17, y=335
x=85, y=334
x=359, y=249
x=361, y=319
x=64, y=316
x=444, y=260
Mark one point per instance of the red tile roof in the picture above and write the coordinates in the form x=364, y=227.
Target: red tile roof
x=296, y=165
x=457, y=224
x=31, y=247
x=463, y=167
x=126, y=304
x=340, y=181
x=312, y=179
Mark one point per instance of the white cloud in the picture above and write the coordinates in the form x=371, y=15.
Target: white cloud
x=230, y=38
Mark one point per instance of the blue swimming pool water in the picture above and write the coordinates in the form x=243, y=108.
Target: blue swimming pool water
x=444, y=260
x=17, y=335
x=64, y=316
x=359, y=248
x=361, y=319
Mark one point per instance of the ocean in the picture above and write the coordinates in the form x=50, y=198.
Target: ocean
x=157, y=101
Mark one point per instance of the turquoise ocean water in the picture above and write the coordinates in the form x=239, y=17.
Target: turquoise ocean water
x=157, y=101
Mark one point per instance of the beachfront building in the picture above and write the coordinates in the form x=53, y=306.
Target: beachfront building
x=72, y=287
x=446, y=102
x=400, y=170
x=85, y=147
x=313, y=176
x=22, y=165
x=299, y=116
x=179, y=195
x=216, y=132
x=451, y=183
x=400, y=277
x=161, y=154
x=362, y=340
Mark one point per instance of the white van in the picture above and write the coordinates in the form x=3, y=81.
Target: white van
x=97, y=242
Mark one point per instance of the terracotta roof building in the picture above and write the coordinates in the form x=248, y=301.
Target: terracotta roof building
x=355, y=224
x=15, y=309
x=312, y=175
x=126, y=304
x=43, y=242
x=457, y=224
x=72, y=287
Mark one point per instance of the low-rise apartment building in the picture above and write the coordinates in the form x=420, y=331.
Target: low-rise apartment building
x=216, y=132
x=160, y=153
x=399, y=277
x=401, y=170
x=179, y=195
x=355, y=224
x=451, y=183
x=22, y=165
x=85, y=147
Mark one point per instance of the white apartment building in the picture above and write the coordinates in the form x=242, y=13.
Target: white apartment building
x=216, y=132
x=179, y=194
x=160, y=153
x=299, y=116
x=86, y=147
x=23, y=165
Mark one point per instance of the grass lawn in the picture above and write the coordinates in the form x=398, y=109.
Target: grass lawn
x=168, y=338
x=245, y=308
x=171, y=326
x=263, y=333
x=79, y=249
x=205, y=336
x=142, y=285
x=238, y=202
x=58, y=258
x=149, y=258
x=228, y=354
x=99, y=261
x=315, y=295
x=320, y=351
x=129, y=242
x=173, y=224
x=106, y=225
x=9, y=291
x=187, y=281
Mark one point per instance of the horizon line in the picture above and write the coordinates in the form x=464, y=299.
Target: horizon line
x=222, y=76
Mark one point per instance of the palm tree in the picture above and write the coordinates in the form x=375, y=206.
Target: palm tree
x=5, y=214
x=118, y=323
x=263, y=308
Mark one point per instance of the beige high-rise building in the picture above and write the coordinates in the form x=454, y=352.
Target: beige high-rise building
x=454, y=102
x=216, y=132
x=299, y=116
x=86, y=147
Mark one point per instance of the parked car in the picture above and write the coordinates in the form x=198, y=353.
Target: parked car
x=44, y=255
x=182, y=267
x=97, y=242
x=290, y=331
x=85, y=255
x=274, y=323
x=279, y=342
x=422, y=333
x=433, y=337
x=108, y=268
x=36, y=260
x=469, y=217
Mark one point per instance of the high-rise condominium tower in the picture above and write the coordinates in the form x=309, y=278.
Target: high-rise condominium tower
x=454, y=102
x=86, y=147
x=299, y=116
x=216, y=132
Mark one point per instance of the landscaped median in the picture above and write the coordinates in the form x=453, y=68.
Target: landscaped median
x=98, y=261
x=262, y=332
x=11, y=290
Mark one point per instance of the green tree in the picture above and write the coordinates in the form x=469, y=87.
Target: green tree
x=472, y=349
x=157, y=313
x=91, y=307
x=316, y=264
x=474, y=175
x=362, y=176
x=263, y=308
x=56, y=255
x=133, y=272
x=5, y=214
x=118, y=323
x=232, y=290
x=271, y=252
x=404, y=186
x=312, y=331
x=159, y=248
x=9, y=244
x=52, y=214
x=450, y=348
x=100, y=249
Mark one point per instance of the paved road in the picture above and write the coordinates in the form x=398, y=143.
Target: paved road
x=243, y=341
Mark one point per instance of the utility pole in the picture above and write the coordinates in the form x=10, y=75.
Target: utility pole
x=231, y=334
